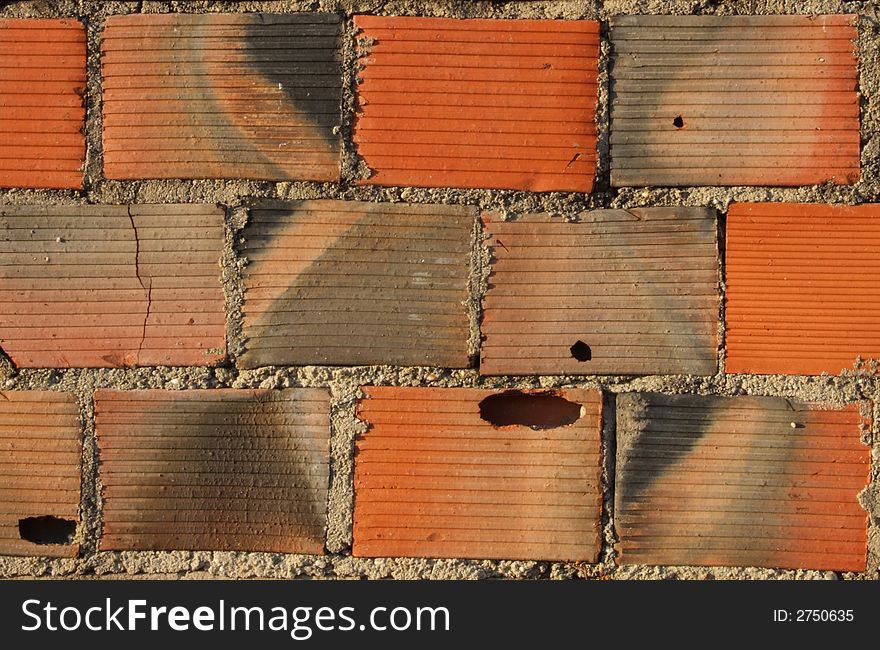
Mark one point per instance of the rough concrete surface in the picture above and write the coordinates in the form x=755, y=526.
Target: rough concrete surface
x=859, y=384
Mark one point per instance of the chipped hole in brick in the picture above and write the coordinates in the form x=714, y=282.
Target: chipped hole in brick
x=581, y=351
x=678, y=122
x=545, y=410
x=46, y=530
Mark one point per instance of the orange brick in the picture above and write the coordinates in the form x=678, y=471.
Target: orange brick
x=348, y=283
x=41, y=439
x=741, y=481
x=111, y=286
x=802, y=294
x=42, y=111
x=506, y=104
x=616, y=292
x=734, y=100
x=222, y=96
x=222, y=469
x=433, y=478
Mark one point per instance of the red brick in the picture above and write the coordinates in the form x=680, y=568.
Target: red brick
x=222, y=469
x=222, y=96
x=734, y=100
x=802, y=293
x=111, y=286
x=506, y=104
x=41, y=439
x=42, y=111
x=348, y=283
x=617, y=292
x=741, y=481
x=435, y=479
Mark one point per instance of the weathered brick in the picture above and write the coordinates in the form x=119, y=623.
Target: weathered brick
x=741, y=481
x=111, y=286
x=42, y=111
x=460, y=472
x=478, y=103
x=223, y=469
x=347, y=283
x=734, y=100
x=802, y=294
x=222, y=96
x=41, y=439
x=617, y=292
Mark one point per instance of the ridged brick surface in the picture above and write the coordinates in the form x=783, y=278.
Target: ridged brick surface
x=478, y=103
x=742, y=481
x=42, y=114
x=225, y=469
x=434, y=479
x=802, y=293
x=111, y=286
x=636, y=290
x=41, y=439
x=349, y=283
x=734, y=100
x=222, y=96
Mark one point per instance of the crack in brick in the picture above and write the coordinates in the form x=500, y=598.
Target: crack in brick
x=148, y=288
x=573, y=160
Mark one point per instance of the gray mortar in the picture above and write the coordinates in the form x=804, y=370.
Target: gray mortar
x=233, y=284
x=478, y=283
x=860, y=384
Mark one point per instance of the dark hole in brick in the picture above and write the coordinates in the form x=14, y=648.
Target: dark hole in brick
x=46, y=530
x=535, y=410
x=678, y=122
x=581, y=351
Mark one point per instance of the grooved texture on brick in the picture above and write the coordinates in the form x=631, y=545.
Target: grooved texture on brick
x=42, y=111
x=725, y=481
x=254, y=96
x=434, y=479
x=506, y=104
x=222, y=469
x=348, y=283
x=734, y=100
x=617, y=292
x=111, y=286
x=41, y=438
x=802, y=294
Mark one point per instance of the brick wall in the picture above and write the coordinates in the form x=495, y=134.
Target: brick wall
x=448, y=289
